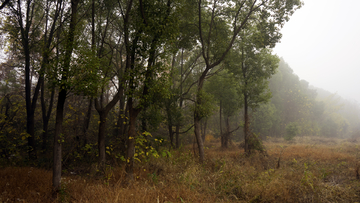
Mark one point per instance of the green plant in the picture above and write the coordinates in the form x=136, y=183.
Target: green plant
x=292, y=130
x=63, y=194
x=144, y=149
x=308, y=177
x=324, y=173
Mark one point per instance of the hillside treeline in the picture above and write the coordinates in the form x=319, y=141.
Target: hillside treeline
x=293, y=104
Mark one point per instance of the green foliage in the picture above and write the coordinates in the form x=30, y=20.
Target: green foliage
x=264, y=118
x=308, y=177
x=206, y=107
x=13, y=137
x=292, y=130
x=256, y=143
x=224, y=88
x=87, y=75
x=144, y=149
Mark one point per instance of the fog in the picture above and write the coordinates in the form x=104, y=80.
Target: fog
x=321, y=43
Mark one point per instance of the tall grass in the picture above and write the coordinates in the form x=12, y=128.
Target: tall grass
x=311, y=170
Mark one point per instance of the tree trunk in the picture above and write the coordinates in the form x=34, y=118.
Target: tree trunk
x=221, y=133
x=46, y=115
x=203, y=130
x=48, y=39
x=101, y=138
x=227, y=133
x=171, y=135
x=58, y=138
x=121, y=125
x=246, y=126
x=198, y=116
x=133, y=113
x=177, y=133
x=103, y=113
x=30, y=106
x=177, y=130
x=87, y=123
x=198, y=138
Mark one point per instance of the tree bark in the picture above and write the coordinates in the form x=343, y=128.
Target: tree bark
x=177, y=130
x=171, y=135
x=30, y=105
x=227, y=132
x=133, y=113
x=203, y=130
x=221, y=133
x=197, y=118
x=246, y=126
x=58, y=138
x=122, y=126
x=103, y=113
x=48, y=39
x=46, y=115
x=87, y=123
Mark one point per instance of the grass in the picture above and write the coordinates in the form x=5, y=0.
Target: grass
x=311, y=170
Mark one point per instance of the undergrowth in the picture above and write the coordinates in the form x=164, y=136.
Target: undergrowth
x=310, y=170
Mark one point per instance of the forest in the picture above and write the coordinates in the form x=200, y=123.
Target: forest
x=165, y=101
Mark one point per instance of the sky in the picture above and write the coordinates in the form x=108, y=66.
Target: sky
x=321, y=43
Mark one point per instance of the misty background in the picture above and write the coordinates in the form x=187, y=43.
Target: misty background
x=321, y=44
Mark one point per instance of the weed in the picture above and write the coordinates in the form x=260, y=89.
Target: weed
x=308, y=173
x=308, y=177
x=63, y=194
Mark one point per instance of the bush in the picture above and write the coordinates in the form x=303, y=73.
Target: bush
x=291, y=131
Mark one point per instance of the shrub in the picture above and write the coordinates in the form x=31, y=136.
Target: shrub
x=291, y=131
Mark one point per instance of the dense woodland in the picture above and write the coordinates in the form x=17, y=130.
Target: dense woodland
x=117, y=82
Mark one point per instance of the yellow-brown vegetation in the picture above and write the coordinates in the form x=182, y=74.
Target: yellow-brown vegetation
x=310, y=170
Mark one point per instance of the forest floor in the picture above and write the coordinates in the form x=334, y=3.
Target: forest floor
x=310, y=170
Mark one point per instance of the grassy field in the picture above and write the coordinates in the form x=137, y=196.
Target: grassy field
x=309, y=170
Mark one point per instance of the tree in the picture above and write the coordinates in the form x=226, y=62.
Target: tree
x=224, y=87
x=219, y=24
x=27, y=31
x=148, y=28
x=63, y=90
x=29, y=20
x=254, y=65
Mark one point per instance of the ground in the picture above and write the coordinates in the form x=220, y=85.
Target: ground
x=309, y=170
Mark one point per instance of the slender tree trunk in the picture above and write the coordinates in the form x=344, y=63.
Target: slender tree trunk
x=48, y=39
x=46, y=115
x=198, y=116
x=198, y=138
x=101, y=138
x=171, y=135
x=221, y=132
x=169, y=121
x=87, y=122
x=177, y=133
x=133, y=113
x=30, y=106
x=203, y=130
x=177, y=130
x=246, y=126
x=227, y=133
x=103, y=113
x=122, y=124
x=58, y=138
x=197, y=119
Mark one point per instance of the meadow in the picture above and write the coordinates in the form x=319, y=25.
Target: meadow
x=307, y=169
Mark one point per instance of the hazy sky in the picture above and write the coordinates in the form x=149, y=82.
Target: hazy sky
x=321, y=43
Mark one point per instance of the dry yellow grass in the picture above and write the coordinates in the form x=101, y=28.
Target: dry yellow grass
x=311, y=170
